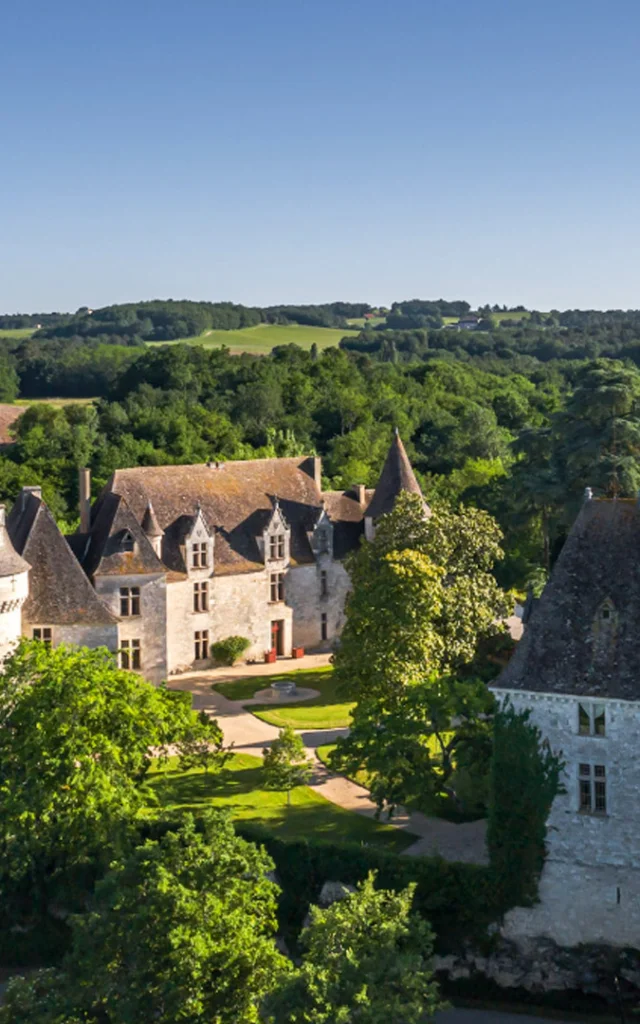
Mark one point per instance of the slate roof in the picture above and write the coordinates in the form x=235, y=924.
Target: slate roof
x=237, y=501
x=11, y=563
x=59, y=592
x=112, y=519
x=397, y=475
x=569, y=647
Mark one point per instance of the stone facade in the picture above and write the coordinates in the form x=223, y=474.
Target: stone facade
x=172, y=559
x=14, y=590
x=590, y=885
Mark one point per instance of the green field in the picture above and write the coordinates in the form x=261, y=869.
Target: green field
x=239, y=789
x=360, y=322
x=326, y=711
x=261, y=339
x=23, y=332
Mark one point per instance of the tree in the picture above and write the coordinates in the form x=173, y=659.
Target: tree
x=76, y=735
x=285, y=763
x=597, y=435
x=423, y=597
x=182, y=929
x=366, y=962
x=525, y=779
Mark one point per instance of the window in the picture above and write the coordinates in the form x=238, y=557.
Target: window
x=129, y=601
x=591, y=719
x=43, y=633
x=276, y=546
x=199, y=557
x=592, y=784
x=130, y=654
x=201, y=597
x=201, y=644
x=276, y=586
x=127, y=541
x=324, y=583
x=323, y=626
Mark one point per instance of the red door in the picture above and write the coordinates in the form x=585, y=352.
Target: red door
x=277, y=637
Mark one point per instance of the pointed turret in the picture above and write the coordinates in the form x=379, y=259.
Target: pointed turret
x=397, y=475
x=150, y=523
x=152, y=528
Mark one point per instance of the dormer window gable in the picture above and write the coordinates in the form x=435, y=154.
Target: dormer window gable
x=322, y=536
x=276, y=539
x=127, y=541
x=199, y=545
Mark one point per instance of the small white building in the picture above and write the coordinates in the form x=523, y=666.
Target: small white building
x=577, y=669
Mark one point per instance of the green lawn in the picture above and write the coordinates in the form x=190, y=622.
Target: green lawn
x=261, y=339
x=360, y=322
x=326, y=711
x=18, y=333
x=239, y=788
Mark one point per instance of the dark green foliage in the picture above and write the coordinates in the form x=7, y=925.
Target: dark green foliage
x=525, y=778
x=227, y=651
x=459, y=900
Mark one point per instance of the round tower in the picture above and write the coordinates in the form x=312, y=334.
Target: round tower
x=14, y=590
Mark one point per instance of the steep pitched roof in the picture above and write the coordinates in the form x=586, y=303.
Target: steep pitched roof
x=59, y=592
x=583, y=638
x=11, y=563
x=397, y=475
x=237, y=501
x=105, y=556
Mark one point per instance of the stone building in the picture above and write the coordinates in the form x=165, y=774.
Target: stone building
x=172, y=558
x=577, y=669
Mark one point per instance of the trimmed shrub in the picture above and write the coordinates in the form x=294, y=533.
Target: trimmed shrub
x=227, y=651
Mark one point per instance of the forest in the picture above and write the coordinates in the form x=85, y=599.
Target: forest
x=517, y=419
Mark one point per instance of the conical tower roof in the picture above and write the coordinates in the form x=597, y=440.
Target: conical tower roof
x=397, y=475
x=11, y=563
x=150, y=523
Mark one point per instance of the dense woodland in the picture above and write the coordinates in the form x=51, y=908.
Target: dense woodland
x=517, y=419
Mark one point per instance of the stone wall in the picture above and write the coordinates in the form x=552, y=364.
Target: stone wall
x=81, y=636
x=150, y=627
x=304, y=593
x=590, y=885
x=13, y=592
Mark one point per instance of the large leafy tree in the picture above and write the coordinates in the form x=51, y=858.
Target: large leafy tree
x=181, y=930
x=424, y=596
x=366, y=962
x=76, y=739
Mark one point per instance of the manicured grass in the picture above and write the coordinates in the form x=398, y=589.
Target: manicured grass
x=326, y=711
x=360, y=322
x=58, y=402
x=239, y=788
x=261, y=339
x=20, y=332
x=323, y=753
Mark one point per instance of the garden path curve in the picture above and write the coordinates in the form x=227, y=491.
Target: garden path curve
x=250, y=735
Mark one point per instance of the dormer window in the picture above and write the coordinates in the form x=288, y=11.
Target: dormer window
x=199, y=555
x=128, y=542
x=591, y=719
x=276, y=547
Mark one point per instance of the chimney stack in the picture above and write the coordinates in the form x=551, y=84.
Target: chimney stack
x=84, y=489
x=360, y=494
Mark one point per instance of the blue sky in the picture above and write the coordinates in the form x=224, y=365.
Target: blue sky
x=307, y=150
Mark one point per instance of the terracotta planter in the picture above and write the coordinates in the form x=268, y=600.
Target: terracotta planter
x=297, y=652
x=270, y=656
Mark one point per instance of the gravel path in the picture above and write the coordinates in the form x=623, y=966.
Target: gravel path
x=250, y=735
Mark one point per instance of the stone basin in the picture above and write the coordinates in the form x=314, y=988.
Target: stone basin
x=284, y=688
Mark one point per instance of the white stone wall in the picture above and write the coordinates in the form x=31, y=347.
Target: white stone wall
x=13, y=592
x=590, y=886
x=80, y=636
x=303, y=589
x=150, y=627
x=238, y=606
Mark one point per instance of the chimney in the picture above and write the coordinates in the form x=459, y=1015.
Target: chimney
x=84, y=490
x=359, y=491
x=26, y=493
